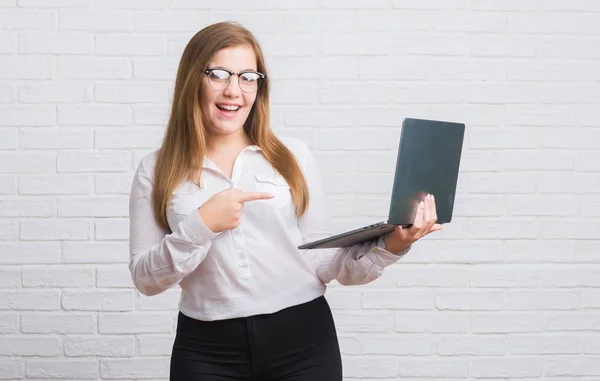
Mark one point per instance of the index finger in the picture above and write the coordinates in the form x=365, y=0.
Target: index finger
x=251, y=196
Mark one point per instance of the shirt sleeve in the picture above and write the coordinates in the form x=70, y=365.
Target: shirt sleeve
x=160, y=259
x=358, y=264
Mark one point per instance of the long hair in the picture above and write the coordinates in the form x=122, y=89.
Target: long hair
x=184, y=146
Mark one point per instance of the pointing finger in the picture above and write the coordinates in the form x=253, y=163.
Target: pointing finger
x=252, y=196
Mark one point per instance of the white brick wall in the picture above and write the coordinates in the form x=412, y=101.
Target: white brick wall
x=509, y=290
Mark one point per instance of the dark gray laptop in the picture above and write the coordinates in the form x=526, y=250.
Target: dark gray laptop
x=428, y=161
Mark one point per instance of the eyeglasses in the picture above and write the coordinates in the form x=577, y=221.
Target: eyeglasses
x=249, y=81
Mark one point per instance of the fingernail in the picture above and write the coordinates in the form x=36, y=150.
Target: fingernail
x=432, y=197
x=421, y=205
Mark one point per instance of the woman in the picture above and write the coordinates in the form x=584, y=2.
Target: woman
x=220, y=210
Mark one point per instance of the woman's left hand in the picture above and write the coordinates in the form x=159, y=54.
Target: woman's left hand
x=425, y=223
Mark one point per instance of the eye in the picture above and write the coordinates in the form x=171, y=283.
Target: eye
x=249, y=77
x=218, y=74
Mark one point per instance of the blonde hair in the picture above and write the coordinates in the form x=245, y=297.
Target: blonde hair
x=184, y=146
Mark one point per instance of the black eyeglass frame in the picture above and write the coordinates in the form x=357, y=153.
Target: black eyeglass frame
x=232, y=73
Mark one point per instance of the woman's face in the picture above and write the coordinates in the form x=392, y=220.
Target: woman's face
x=225, y=107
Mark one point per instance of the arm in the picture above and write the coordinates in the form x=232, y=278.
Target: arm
x=358, y=264
x=159, y=260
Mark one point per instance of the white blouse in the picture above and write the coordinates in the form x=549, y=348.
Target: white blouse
x=255, y=268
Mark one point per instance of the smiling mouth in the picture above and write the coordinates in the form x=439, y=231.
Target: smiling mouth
x=228, y=108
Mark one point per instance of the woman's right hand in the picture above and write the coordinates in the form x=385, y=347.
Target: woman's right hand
x=224, y=209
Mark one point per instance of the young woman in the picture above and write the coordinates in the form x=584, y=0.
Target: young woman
x=220, y=210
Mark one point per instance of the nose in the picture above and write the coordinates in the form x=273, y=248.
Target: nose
x=233, y=87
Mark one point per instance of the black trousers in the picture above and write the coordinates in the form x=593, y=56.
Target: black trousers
x=298, y=343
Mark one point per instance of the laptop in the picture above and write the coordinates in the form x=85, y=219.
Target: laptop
x=428, y=162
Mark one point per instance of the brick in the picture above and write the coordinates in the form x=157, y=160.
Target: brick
x=432, y=4
x=113, y=183
x=432, y=322
x=166, y=301
x=502, y=46
x=590, y=298
x=429, y=275
x=472, y=345
x=9, y=323
x=371, y=367
x=95, y=252
x=340, y=299
x=58, y=323
x=504, y=276
x=27, y=162
x=405, y=299
x=24, y=253
x=10, y=277
x=542, y=299
x=434, y=368
x=55, y=138
x=113, y=276
x=55, y=3
x=357, y=139
x=98, y=300
x=135, y=323
x=547, y=344
x=130, y=4
x=55, y=184
x=511, y=183
x=21, y=19
x=503, y=5
x=471, y=300
x=94, y=115
x=169, y=21
x=479, y=205
x=541, y=71
x=293, y=68
x=155, y=68
x=99, y=206
x=386, y=20
x=507, y=367
x=542, y=205
x=467, y=69
x=506, y=322
x=53, y=92
x=9, y=230
x=56, y=229
x=54, y=43
x=355, y=4
x=144, y=368
x=152, y=115
x=363, y=43
x=95, y=20
x=8, y=91
x=112, y=229
x=12, y=369
x=368, y=321
x=324, y=21
x=589, y=344
x=8, y=43
x=8, y=184
x=490, y=93
x=102, y=346
x=541, y=115
x=29, y=300
x=551, y=22
x=438, y=45
x=295, y=92
x=551, y=251
x=122, y=92
x=94, y=161
x=59, y=368
x=428, y=93
x=123, y=138
x=9, y=138
x=469, y=21
x=398, y=344
x=572, y=366
x=30, y=346
x=58, y=276
x=27, y=116
x=27, y=208
x=70, y=67
x=155, y=345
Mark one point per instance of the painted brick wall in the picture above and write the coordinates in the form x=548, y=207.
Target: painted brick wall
x=509, y=290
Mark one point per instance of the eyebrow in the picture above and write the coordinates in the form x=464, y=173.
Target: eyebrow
x=222, y=67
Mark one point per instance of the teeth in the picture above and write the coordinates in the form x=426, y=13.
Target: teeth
x=229, y=107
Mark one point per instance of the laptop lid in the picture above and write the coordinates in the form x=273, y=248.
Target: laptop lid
x=428, y=161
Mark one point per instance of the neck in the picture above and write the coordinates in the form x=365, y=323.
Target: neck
x=232, y=142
